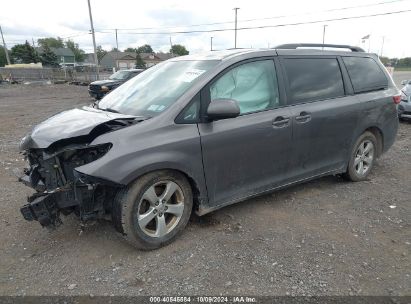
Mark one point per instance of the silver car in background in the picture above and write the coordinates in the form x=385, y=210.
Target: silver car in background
x=404, y=108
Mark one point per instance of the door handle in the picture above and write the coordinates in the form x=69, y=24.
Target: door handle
x=303, y=117
x=280, y=121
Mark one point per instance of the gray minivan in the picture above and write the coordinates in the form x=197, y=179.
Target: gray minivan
x=200, y=132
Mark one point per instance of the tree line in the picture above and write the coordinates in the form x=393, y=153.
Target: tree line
x=26, y=53
x=397, y=62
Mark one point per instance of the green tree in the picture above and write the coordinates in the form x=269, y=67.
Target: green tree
x=48, y=58
x=100, y=53
x=145, y=49
x=130, y=49
x=404, y=62
x=79, y=54
x=140, y=64
x=178, y=49
x=385, y=60
x=51, y=42
x=3, y=59
x=115, y=49
x=24, y=53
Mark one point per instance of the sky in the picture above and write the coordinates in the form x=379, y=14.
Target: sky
x=157, y=22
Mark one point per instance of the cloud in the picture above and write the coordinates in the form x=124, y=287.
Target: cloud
x=176, y=17
x=19, y=29
x=161, y=14
x=79, y=25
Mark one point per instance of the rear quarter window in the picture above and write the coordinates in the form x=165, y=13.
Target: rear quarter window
x=311, y=79
x=365, y=74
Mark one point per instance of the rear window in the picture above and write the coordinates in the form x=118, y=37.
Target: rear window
x=365, y=74
x=311, y=79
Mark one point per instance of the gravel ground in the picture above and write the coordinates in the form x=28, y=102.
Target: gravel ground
x=325, y=237
x=400, y=76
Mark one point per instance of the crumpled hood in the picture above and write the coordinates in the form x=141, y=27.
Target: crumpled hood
x=68, y=124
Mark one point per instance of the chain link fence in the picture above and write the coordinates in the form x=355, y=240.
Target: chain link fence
x=83, y=74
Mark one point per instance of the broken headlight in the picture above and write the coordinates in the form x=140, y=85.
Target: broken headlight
x=72, y=158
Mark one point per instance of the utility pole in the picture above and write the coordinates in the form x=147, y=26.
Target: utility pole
x=171, y=48
x=5, y=47
x=324, y=26
x=382, y=45
x=235, y=27
x=117, y=41
x=94, y=40
x=211, y=43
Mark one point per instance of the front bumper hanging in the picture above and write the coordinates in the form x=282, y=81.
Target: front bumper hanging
x=42, y=208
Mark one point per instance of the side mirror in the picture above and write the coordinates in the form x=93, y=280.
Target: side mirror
x=222, y=109
x=404, y=82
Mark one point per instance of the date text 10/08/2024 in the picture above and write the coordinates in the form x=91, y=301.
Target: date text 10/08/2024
x=203, y=299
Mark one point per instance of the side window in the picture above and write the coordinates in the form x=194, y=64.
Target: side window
x=311, y=79
x=191, y=113
x=253, y=85
x=365, y=74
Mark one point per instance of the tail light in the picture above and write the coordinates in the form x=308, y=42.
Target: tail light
x=396, y=99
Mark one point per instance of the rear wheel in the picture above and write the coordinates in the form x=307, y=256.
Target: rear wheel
x=362, y=157
x=152, y=211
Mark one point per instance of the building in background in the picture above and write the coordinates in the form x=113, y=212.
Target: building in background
x=88, y=60
x=127, y=60
x=118, y=60
x=153, y=58
x=65, y=56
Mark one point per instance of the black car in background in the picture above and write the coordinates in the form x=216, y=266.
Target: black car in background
x=99, y=88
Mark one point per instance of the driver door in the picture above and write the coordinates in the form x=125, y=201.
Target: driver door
x=248, y=154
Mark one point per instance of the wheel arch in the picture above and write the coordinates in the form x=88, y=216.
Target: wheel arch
x=198, y=194
x=376, y=131
x=379, y=136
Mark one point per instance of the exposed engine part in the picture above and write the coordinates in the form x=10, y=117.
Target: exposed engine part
x=60, y=189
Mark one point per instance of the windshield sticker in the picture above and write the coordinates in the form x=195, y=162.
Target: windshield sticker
x=156, y=108
x=190, y=75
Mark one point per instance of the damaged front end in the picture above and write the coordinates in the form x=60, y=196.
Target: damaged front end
x=54, y=149
x=62, y=190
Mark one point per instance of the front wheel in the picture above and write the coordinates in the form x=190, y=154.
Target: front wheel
x=152, y=211
x=362, y=157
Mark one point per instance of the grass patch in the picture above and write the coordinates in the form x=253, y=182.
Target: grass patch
x=402, y=69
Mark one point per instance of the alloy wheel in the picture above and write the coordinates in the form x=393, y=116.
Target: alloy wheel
x=364, y=157
x=160, y=209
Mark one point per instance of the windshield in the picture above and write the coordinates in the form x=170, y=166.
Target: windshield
x=154, y=90
x=120, y=75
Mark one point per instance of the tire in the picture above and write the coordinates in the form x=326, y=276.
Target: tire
x=362, y=157
x=145, y=219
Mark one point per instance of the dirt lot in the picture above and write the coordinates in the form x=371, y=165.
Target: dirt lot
x=326, y=237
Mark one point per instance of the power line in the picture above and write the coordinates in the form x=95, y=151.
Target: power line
x=264, y=26
x=328, y=10
x=245, y=28
x=257, y=19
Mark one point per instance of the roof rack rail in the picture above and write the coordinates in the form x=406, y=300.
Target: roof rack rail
x=300, y=45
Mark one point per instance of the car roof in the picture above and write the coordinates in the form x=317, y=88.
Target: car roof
x=231, y=53
x=214, y=55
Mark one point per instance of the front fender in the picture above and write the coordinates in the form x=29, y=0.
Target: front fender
x=174, y=147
